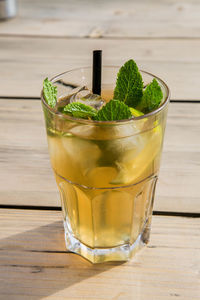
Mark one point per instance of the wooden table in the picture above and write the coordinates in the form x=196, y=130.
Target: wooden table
x=49, y=37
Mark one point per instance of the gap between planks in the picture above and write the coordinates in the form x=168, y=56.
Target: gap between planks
x=58, y=208
x=6, y=35
x=38, y=98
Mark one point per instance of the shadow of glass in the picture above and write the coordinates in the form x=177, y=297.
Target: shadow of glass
x=35, y=264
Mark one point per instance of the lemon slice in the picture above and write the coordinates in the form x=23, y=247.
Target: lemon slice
x=135, y=112
x=131, y=170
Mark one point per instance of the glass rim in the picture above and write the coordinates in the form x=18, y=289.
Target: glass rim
x=118, y=122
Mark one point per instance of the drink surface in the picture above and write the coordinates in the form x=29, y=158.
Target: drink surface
x=106, y=177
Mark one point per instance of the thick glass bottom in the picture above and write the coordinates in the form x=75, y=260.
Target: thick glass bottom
x=99, y=255
x=107, y=224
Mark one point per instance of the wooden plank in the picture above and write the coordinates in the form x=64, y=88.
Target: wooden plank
x=169, y=18
x=34, y=264
x=25, y=62
x=26, y=177
x=180, y=169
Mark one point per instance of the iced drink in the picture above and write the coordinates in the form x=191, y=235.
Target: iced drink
x=106, y=171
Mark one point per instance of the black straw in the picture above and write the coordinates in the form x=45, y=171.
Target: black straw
x=96, y=72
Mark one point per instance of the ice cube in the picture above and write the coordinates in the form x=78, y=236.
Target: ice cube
x=65, y=99
x=88, y=98
x=81, y=94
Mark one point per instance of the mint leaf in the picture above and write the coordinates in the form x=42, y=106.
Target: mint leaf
x=49, y=92
x=129, y=84
x=114, y=110
x=80, y=110
x=152, y=97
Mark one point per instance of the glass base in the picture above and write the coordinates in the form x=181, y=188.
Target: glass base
x=100, y=255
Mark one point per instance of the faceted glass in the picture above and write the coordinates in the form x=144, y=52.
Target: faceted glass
x=106, y=172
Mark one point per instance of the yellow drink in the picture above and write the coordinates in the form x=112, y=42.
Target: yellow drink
x=106, y=185
x=106, y=174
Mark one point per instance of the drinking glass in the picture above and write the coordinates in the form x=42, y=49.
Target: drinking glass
x=106, y=171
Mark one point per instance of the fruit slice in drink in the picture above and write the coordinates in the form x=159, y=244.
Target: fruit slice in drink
x=131, y=170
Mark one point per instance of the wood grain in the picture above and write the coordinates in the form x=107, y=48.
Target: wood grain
x=46, y=38
x=25, y=62
x=26, y=177
x=169, y=18
x=34, y=264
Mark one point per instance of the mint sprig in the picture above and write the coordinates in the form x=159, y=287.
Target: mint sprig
x=130, y=99
x=80, y=110
x=152, y=97
x=49, y=93
x=129, y=84
x=114, y=110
